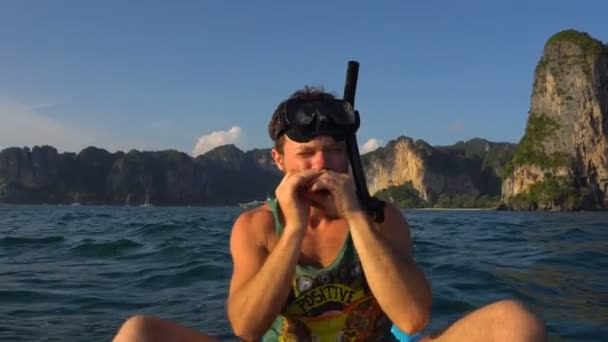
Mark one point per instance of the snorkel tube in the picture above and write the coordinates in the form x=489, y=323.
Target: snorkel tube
x=373, y=206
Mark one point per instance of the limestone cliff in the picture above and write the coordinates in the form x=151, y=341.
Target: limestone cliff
x=398, y=162
x=471, y=167
x=226, y=175
x=222, y=176
x=561, y=161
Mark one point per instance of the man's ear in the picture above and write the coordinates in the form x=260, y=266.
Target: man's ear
x=278, y=159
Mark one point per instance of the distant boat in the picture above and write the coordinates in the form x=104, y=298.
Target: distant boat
x=147, y=202
x=76, y=202
x=253, y=204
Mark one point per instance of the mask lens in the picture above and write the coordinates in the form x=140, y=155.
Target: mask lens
x=342, y=113
x=312, y=118
x=299, y=114
x=304, y=115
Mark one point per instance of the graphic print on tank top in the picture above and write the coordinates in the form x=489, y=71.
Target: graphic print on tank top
x=330, y=304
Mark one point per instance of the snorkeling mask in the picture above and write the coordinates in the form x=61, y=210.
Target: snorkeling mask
x=302, y=120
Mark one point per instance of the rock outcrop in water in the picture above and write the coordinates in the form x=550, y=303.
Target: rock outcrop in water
x=561, y=163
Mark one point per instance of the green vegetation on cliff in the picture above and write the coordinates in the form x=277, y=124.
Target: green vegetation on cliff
x=530, y=148
x=553, y=191
x=406, y=196
x=588, y=44
x=402, y=196
x=467, y=201
x=557, y=62
x=484, y=162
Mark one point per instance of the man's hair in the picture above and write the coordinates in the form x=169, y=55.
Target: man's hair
x=307, y=93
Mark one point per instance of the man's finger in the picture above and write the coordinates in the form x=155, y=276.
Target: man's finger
x=305, y=176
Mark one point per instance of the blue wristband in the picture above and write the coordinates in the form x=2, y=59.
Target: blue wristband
x=405, y=337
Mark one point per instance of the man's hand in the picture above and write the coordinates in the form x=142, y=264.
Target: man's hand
x=291, y=194
x=336, y=192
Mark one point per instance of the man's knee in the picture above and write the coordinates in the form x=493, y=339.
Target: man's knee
x=137, y=328
x=513, y=310
x=517, y=319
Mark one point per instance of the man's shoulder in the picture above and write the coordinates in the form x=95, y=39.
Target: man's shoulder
x=393, y=218
x=253, y=227
x=392, y=210
x=262, y=213
x=260, y=218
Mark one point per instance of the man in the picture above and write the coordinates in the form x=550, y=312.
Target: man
x=311, y=266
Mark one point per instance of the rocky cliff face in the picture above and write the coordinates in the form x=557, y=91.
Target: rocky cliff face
x=471, y=167
x=561, y=161
x=225, y=175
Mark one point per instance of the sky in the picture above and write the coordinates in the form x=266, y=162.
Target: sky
x=192, y=75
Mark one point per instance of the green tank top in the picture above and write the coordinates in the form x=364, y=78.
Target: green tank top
x=329, y=304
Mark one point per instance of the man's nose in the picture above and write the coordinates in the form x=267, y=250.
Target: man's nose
x=319, y=161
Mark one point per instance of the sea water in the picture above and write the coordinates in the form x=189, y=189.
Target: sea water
x=75, y=273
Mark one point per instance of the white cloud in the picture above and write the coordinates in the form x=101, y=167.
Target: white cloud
x=217, y=138
x=370, y=145
x=457, y=126
x=23, y=125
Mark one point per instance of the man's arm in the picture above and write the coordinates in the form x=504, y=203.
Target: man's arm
x=261, y=280
x=398, y=284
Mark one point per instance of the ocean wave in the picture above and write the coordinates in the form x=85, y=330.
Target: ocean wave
x=24, y=242
x=91, y=248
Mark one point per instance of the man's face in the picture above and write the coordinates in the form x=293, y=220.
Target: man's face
x=321, y=153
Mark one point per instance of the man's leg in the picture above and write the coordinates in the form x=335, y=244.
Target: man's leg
x=500, y=321
x=150, y=329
